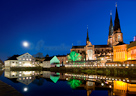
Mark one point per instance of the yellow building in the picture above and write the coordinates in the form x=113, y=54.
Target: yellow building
x=120, y=52
x=124, y=52
x=132, y=51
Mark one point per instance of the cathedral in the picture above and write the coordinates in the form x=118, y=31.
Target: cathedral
x=104, y=53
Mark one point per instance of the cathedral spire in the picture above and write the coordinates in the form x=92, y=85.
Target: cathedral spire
x=87, y=38
x=116, y=21
x=111, y=25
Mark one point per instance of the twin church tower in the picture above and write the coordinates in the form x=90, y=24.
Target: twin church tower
x=115, y=35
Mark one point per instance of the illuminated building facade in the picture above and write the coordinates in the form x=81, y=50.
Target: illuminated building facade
x=51, y=62
x=125, y=53
x=115, y=50
x=62, y=58
x=120, y=52
x=102, y=52
x=24, y=60
x=132, y=51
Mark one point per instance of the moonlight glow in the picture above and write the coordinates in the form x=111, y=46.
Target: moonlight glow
x=25, y=89
x=25, y=44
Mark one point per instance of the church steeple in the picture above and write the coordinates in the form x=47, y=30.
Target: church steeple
x=87, y=38
x=116, y=21
x=111, y=25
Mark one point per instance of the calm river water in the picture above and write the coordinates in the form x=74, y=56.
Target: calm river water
x=46, y=83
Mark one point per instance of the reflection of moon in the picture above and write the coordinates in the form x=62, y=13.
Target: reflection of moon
x=25, y=89
x=25, y=44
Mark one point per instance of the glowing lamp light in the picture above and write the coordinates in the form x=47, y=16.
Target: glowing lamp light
x=25, y=89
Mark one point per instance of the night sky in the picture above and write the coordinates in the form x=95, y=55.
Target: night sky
x=51, y=26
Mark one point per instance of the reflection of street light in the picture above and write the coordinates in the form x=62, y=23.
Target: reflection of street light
x=102, y=84
x=25, y=89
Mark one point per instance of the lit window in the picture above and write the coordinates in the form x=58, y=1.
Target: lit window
x=132, y=64
x=27, y=59
x=19, y=62
x=118, y=37
x=23, y=58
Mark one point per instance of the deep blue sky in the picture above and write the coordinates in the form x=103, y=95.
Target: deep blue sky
x=49, y=24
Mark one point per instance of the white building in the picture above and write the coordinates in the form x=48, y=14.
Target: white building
x=51, y=62
x=24, y=60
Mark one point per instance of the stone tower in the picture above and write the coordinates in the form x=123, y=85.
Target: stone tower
x=117, y=34
x=110, y=31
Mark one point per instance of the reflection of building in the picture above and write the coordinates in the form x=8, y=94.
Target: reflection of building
x=122, y=88
x=25, y=77
x=25, y=60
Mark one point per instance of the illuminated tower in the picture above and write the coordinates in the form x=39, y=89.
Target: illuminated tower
x=110, y=31
x=117, y=34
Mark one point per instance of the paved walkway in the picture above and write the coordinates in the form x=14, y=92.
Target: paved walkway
x=7, y=90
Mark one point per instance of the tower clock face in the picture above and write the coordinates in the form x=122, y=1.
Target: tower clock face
x=90, y=54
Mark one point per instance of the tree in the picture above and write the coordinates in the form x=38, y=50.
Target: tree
x=74, y=83
x=74, y=56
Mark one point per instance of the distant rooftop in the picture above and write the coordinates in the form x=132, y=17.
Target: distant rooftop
x=14, y=57
x=101, y=46
x=78, y=46
x=132, y=44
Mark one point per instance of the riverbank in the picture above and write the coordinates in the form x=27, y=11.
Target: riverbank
x=98, y=71
x=25, y=68
x=7, y=90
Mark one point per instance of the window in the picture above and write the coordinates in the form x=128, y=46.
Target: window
x=118, y=37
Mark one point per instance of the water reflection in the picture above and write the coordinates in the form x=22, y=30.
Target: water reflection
x=114, y=85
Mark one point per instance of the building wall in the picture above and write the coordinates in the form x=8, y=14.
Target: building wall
x=62, y=58
x=120, y=53
x=46, y=64
x=132, y=53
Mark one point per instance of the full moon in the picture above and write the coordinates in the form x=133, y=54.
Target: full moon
x=25, y=44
